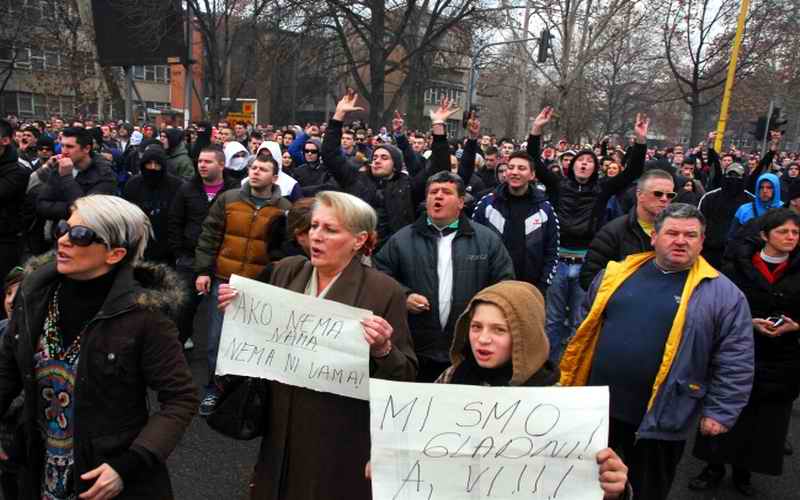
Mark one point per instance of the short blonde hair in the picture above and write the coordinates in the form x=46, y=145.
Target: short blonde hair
x=356, y=214
x=117, y=222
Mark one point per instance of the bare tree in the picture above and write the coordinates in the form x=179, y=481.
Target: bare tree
x=698, y=38
x=378, y=39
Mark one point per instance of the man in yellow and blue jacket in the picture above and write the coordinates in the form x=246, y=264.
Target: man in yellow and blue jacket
x=673, y=340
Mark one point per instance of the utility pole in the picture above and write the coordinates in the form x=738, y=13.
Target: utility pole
x=726, y=96
x=523, y=65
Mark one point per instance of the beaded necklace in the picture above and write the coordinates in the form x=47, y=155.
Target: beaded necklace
x=52, y=335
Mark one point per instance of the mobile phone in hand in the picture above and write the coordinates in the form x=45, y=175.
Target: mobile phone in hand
x=776, y=320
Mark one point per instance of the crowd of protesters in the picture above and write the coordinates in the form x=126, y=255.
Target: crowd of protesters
x=670, y=275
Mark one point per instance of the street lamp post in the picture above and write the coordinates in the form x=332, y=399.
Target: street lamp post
x=474, y=66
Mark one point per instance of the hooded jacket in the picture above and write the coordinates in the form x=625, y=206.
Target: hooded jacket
x=580, y=207
x=719, y=207
x=541, y=231
x=234, y=237
x=394, y=198
x=236, y=167
x=288, y=184
x=180, y=164
x=13, y=184
x=153, y=192
x=128, y=347
x=314, y=176
x=411, y=256
x=523, y=307
x=756, y=208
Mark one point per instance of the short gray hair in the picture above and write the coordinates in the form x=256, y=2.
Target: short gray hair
x=654, y=173
x=680, y=211
x=117, y=222
x=356, y=214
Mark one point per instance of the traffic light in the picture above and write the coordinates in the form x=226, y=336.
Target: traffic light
x=544, y=46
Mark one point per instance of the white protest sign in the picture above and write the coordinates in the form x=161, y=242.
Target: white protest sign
x=274, y=333
x=447, y=442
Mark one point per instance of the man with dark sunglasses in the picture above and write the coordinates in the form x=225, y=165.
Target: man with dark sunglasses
x=630, y=233
x=13, y=182
x=312, y=174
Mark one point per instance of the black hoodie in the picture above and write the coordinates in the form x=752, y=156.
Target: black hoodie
x=153, y=192
x=580, y=207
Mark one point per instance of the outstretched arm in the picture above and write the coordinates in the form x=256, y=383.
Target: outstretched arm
x=549, y=179
x=635, y=159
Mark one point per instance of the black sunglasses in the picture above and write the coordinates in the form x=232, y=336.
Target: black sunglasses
x=79, y=235
x=660, y=194
x=312, y=151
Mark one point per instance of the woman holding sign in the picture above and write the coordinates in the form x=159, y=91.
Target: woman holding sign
x=316, y=444
x=88, y=338
x=500, y=341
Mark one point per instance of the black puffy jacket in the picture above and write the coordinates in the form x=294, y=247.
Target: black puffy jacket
x=394, y=198
x=580, y=207
x=616, y=240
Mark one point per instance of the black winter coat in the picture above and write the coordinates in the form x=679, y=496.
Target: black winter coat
x=155, y=201
x=128, y=347
x=411, y=256
x=13, y=184
x=777, y=359
x=60, y=191
x=616, y=240
x=580, y=207
x=189, y=210
x=719, y=206
x=395, y=198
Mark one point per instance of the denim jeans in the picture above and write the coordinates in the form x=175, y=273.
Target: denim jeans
x=215, y=317
x=563, y=304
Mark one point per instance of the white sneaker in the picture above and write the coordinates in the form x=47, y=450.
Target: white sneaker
x=188, y=345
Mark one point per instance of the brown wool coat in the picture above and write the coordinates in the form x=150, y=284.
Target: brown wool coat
x=317, y=444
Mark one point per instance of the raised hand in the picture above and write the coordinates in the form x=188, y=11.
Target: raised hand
x=473, y=126
x=397, y=122
x=446, y=109
x=347, y=104
x=641, y=127
x=541, y=120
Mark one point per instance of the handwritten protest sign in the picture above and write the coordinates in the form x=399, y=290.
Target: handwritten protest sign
x=273, y=333
x=443, y=442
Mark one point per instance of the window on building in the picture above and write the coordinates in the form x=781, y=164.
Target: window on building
x=23, y=57
x=25, y=103
x=37, y=59
x=39, y=105
x=138, y=72
x=150, y=73
x=6, y=50
x=52, y=60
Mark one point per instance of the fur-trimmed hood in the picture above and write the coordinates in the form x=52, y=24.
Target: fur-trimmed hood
x=144, y=285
